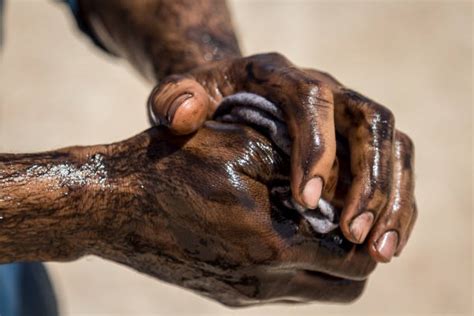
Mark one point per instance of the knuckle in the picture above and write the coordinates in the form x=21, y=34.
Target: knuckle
x=404, y=151
x=306, y=83
x=381, y=115
x=329, y=77
x=364, y=111
x=304, y=86
x=325, y=95
x=265, y=61
x=314, y=93
x=274, y=57
x=379, y=199
x=405, y=142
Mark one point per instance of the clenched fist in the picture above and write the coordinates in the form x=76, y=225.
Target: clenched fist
x=380, y=205
x=203, y=211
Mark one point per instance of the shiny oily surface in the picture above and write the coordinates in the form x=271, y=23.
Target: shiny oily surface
x=418, y=88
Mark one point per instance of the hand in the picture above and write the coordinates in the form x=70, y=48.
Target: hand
x=197, y=212
x=380, y=203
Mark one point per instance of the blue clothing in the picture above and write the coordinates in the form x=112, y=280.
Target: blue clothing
x=25, y=288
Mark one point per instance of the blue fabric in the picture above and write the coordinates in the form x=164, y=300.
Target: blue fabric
x=25, y=290
x=9, y=289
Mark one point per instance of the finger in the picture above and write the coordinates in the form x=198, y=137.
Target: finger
x=394, y=225
x=306, y=103
x=409, y=230
x=308, y=107
x=369, y=129
x=180, y=103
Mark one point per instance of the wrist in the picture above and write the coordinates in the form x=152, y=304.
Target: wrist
x=160, y=38
x=136, y=195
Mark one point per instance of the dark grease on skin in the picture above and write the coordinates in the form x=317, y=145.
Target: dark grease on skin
x=162, y=37
x=195, y=39
x=150, y=206
x=153, y=213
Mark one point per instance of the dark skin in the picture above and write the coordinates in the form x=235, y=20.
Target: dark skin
x=141, y=202
x=161, y=204
x=193, y=43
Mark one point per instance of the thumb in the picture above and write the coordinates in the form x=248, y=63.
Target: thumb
x=180, y=103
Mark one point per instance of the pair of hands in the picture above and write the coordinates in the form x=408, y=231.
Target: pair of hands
x=198, y=207
x=379, y=206
x=200, y=211
x=204, y=210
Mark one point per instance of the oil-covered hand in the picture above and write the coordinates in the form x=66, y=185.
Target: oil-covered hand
x=206, y=211
x=201, y=212
x=380, y=205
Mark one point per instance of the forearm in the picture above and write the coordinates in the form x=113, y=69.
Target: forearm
x=48, y=204
x=163, y=37
x=63, y=204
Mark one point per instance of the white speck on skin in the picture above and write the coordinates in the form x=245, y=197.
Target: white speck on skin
x=67, y=174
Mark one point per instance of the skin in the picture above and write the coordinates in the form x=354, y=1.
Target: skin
x=380, y=205
x=160, y=202
x=189, y=46
x=167, y=206
x=161, y=38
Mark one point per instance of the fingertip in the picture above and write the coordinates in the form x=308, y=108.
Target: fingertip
x=312, y=192
x=385, y=247
x=359, y=227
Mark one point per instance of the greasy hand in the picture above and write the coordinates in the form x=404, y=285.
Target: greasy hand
x=198, y=211
x=379, y=207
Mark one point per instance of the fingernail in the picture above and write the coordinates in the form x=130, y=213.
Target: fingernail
x=361, y=225
x=312, y=192
x=177, y=102
x=387, y=244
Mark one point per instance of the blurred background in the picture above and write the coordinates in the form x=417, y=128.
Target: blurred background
x=415, y=57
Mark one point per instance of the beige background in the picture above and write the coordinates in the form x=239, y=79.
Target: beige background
x=56, y=89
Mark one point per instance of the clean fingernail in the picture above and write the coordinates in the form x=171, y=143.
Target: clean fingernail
x=361, y=225
x=387, y=245
x=312, y=192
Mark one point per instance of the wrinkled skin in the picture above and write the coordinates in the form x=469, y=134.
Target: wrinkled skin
x=380, y=204
x=225, y=238
x=163, y=37
x=196, y=211
x=194, y=42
